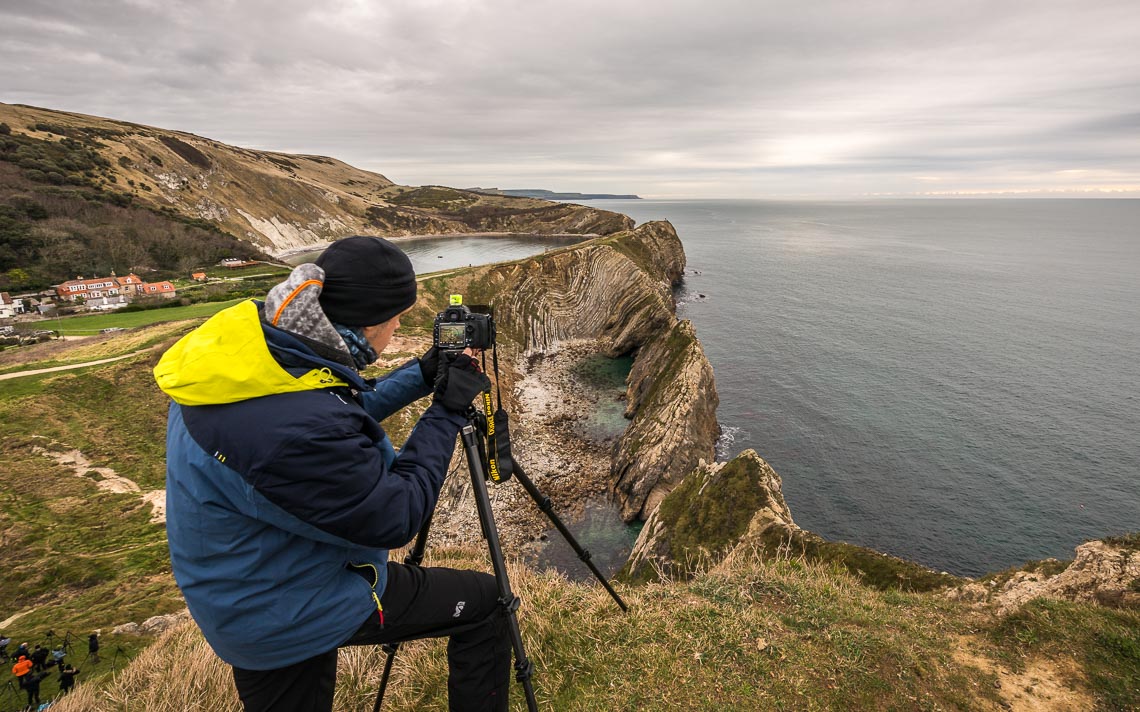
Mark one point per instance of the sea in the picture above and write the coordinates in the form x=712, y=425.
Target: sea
x=952, y=381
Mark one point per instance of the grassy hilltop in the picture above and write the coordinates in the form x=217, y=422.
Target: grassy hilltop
x=84, y=194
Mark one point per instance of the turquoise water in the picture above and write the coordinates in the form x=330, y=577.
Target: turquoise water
x=605, y=377
x=599, y=528
x=956, y=381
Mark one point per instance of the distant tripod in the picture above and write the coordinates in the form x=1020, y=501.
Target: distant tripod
x=503, y=466
x=12, y=690
x=115, y=658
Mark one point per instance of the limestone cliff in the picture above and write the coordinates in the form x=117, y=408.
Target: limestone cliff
x=282, y=202
x=672, y=401
x=618, y=290
x=615, y=292
x=738, y=508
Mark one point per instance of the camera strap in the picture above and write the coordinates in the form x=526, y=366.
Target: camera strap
x=500, y=463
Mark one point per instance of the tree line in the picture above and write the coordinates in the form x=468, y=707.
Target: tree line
x=61, y=217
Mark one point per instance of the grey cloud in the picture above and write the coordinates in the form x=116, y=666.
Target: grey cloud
x=737, y=98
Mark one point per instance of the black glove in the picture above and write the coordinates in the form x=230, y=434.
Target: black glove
x=460, y=383
x=429, y=365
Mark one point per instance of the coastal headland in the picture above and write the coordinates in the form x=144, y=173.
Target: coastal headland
x=733, y=605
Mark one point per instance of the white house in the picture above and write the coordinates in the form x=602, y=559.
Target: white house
x=10, y=307
x=108, y=303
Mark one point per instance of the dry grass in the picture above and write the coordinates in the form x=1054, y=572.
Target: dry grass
x=748, y=635
x=82, y=349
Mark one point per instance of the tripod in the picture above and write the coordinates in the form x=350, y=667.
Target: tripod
x=10, y=687
x=524, y=669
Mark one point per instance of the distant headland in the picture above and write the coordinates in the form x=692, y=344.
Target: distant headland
x=551, y=195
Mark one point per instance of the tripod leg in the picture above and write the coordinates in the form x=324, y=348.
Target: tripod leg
x=547, y=508
x=524, y=669
x=415, y=557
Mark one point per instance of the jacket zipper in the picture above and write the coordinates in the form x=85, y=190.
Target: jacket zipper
x=375, y=580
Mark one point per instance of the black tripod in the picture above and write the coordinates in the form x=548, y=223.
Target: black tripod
x=10, y=687
x=524, y=669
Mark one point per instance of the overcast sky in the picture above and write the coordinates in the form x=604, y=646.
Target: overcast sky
x=709, y=98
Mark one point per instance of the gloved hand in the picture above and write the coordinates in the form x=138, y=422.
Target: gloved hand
x=459, y=383
x=429, y=365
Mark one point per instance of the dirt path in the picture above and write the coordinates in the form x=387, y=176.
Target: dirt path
x=1043, y=686
x=6, y=376
x=108, y=479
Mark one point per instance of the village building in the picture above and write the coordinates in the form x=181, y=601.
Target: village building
x=160, y=289
x=235, y=262
x=199, y=276
x=108, y=303
x=99, y=287
x=10, y=307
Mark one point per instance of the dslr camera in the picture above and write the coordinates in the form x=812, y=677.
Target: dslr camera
x=460, y=327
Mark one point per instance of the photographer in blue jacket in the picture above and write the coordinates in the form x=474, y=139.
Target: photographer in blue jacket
x=284, y=494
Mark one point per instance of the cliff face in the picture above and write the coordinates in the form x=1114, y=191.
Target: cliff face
x=615, y=291
x=592, y=291
x=672, y=401
x=281, y=202
x=618, y=290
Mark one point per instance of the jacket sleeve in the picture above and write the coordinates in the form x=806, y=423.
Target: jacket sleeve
x=335, y=479
x=396, y=390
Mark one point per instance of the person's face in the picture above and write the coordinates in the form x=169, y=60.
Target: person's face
x=378, y=335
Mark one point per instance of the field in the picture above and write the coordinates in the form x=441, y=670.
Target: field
x=94, y=323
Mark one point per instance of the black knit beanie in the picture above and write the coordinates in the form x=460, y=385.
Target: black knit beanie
x=368, y=280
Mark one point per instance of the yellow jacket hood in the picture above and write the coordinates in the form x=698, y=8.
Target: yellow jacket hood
x=227, y=360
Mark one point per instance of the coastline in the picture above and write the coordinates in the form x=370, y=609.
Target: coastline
x=287, y=255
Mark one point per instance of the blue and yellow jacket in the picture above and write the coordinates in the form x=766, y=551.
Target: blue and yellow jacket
x=282, y=488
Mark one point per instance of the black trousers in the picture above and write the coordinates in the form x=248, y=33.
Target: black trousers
x=418, y=603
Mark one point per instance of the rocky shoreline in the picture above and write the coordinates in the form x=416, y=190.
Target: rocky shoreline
x=549, y=401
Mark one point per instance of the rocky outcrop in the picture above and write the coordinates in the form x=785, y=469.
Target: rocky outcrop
x=1106, y=571
x=738, y=507
x=672, y=402
x=155, y=625
x=700, y=521
x=618, y=291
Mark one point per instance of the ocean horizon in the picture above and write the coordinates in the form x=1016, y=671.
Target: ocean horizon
x=952, y=381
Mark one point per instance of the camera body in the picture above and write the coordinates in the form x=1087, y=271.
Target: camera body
x=458, y=327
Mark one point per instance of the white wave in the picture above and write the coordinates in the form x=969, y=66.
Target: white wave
x=725, y=441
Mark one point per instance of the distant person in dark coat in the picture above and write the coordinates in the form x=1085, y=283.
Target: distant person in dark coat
x=4, y=647
x=39, y=658
x=67, y=678
x=23, y=650
x=32, y=687
x=93, y=648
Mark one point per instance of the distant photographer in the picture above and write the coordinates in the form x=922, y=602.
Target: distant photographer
x=284, y=494
x=66, y=678
x=31, y=684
